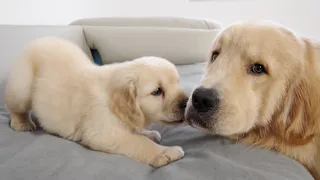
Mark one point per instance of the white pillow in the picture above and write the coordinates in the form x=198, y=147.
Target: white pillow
x=180, y=46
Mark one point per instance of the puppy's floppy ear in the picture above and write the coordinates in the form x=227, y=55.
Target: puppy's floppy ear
x=122, y=101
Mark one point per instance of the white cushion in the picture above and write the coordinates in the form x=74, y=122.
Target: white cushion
x=170, y=22
x=180, y=46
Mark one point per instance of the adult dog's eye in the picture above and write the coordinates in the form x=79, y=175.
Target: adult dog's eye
x=157, y=92
x=257, y=69
x=214, y=55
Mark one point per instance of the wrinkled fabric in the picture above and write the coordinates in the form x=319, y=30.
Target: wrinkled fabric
x=38, y=155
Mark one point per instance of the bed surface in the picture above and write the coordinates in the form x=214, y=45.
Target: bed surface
x=37, y=155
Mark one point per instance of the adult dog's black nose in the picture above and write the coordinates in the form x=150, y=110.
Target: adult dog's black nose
x=205, y=99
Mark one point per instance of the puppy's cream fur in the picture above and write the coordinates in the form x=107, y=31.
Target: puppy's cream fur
x=103, y=107
x=277, y=110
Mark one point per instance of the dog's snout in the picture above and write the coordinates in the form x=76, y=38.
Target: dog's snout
x=205, y=99
x=183, y=104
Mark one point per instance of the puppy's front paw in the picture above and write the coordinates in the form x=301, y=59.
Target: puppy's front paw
x=154, y=136
x=26, y=126
x=168, y=155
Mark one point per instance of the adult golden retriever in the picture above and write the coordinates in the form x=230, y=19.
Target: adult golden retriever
x=262, y=87
x=103, y=107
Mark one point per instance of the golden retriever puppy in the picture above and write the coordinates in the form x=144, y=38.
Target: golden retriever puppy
x=103, y=107
x=262, y=86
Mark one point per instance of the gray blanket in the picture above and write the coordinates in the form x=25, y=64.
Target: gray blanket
x=37, y=155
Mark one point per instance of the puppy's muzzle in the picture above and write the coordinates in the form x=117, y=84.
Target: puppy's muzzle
x=205, y=103
x=183, y=104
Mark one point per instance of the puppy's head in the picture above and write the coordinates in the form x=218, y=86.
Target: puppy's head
x=252, y=67
x=148, y=90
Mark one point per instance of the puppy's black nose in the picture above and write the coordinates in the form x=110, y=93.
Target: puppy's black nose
x=183, y=104
x=205, y=99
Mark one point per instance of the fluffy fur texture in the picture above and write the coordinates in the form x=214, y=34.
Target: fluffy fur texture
x=277, y=109
x=103, y=107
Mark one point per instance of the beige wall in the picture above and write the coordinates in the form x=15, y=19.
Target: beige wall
x=302, y=16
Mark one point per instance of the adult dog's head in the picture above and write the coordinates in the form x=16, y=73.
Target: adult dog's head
x=147, y=90
x=258, y=71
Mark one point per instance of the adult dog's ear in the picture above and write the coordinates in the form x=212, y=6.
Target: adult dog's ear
x=304, y=110
x=122, y=102
x=296, y=119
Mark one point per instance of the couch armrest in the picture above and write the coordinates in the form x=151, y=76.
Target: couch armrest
x=14, y=38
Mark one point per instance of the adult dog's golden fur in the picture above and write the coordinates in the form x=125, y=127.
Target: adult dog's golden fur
x=276, y=106
x=103, y=107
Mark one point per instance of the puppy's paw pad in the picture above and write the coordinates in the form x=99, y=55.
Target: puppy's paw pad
x=169, y=155
x=29, y=126
x=154, y=136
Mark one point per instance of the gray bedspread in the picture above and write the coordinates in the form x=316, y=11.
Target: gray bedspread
x=37, y=155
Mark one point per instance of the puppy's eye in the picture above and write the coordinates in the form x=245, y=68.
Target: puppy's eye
x=157, y=92
x=257, y=69
x=214, y=55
